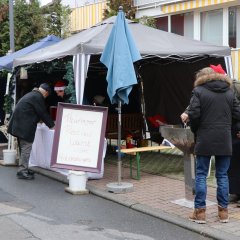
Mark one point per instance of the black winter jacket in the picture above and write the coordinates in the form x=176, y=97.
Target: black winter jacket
x=211, y=110
x=28, y=112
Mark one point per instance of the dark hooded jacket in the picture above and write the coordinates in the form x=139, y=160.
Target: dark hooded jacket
x=211, y=110
x=28, y=112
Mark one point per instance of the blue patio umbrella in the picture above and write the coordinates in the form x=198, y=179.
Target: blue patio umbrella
x=118, y=56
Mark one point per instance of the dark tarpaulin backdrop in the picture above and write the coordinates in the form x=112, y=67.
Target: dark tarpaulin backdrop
x=168, y=87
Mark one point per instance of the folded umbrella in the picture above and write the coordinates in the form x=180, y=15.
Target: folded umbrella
x=118, y=56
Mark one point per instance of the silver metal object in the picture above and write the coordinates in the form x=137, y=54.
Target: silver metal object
x=183, y=139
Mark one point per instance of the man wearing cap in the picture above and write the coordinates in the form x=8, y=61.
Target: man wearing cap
x=23, y=124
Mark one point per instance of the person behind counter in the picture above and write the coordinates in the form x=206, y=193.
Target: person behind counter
x=59, y=88
x=98, y=100
x=23, y=124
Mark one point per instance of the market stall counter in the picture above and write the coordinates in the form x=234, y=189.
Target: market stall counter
x=42, y=151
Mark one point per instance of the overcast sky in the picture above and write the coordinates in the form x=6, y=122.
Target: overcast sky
x=43, y=2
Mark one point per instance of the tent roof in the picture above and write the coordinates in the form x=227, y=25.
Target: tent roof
x=6, y=62
x=149, y=41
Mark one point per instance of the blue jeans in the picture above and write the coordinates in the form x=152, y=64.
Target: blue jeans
x=202, y=165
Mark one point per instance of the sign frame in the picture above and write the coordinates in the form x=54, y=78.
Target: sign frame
x=103, y=111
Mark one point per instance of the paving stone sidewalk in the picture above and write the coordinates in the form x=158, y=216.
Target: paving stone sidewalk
x=157, y=194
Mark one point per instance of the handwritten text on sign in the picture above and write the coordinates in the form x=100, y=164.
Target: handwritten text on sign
x=79, y=138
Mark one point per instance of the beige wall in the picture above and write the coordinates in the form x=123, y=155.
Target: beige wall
x=236, y=63
x=87, y=16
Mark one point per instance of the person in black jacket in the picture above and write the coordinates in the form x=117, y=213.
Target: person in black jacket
x=23, y=124
x=212, y=107
x=234, y=169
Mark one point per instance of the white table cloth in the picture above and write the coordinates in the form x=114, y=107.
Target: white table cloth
x=42, y=151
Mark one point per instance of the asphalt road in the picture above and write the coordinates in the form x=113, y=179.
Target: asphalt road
x=41, y=209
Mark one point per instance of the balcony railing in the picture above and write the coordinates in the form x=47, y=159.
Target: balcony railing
x=138, y=3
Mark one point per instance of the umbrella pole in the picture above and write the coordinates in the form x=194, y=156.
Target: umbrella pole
x=119, y=187
x=119, y=143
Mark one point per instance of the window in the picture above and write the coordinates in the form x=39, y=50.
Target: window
x=211, y=27
x=177, y=24
x=232, y=14
x=188, y=25
x=162, y=23
x=181, y=24
x=234, y=26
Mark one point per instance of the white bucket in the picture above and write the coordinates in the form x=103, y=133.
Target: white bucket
x=2, y=147
x=77, y=180
x=9, y=156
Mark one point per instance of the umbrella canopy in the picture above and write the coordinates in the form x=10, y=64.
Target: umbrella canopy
x=6, y=62
x=118, y=56
x=149, y=41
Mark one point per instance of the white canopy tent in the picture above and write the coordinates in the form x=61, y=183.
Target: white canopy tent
x=150, y=42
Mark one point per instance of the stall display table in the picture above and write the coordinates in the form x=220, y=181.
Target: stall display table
x=42, y=151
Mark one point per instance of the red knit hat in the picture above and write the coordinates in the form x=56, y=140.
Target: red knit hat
x=218, y=69
x=59, y=86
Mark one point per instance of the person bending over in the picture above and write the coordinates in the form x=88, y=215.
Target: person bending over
x=23, y=124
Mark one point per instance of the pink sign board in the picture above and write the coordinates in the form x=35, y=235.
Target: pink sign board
x=79, y=137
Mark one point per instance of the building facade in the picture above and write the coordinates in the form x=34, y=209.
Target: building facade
x=85, y=14
x=212, y=21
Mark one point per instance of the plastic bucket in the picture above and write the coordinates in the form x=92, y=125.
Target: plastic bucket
x=2, y=147
x=77, y=180
x=9, y=156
